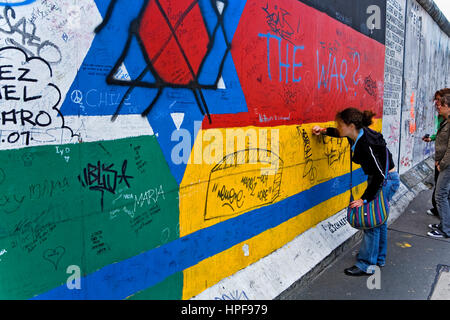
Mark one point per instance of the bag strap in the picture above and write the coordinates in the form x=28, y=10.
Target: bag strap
x=351, y=171
x=387, y=166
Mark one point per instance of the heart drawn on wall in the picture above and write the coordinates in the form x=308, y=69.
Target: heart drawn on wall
x=54, y=255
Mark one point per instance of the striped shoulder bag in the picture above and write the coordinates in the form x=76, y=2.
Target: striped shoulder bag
x=372, y=214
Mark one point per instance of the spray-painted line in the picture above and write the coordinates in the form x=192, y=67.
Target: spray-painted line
x=122, y=279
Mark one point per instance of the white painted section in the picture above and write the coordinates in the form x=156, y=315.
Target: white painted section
x=270, y=276
x=220, y=5
x=122, y=73
x=246, y=250
x=221, y=84
x=61, y=34
x=177, y=119
x=92, y=128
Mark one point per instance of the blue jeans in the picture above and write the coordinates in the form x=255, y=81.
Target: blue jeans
x=443, y=200
x=374, y=245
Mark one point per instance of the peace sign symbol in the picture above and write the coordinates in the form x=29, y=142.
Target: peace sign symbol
x=76, y=96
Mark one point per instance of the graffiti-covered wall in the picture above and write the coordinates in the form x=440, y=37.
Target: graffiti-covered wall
x=151, y=148
x=427, y=66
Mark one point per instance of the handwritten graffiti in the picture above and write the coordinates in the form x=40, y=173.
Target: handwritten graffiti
x=233, y=295
x=96, y=98
x=98, y=244
x=11, y=203
x=45, y=9
x=54, y=255
x=140, y=162
x=278, y=23
x=143, y=218
x=64, y=153
x=230, y=198
x=234, y=188
x=29, y=233
x=48, y=188
x=29, y=101
x=332, y=46
x=310, y=170
x=30, y=41
x=151, y=196
x=370, y=86
x=103, y=178
x=335, y=152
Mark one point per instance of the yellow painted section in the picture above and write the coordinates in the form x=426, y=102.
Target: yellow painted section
x=210, y=271
x=226, y=178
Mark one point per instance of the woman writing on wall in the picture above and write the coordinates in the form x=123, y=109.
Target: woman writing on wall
x=368, y=149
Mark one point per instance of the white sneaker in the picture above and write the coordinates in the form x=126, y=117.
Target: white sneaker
x=436, y=234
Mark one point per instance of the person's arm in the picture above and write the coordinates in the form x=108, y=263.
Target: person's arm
x=445, y=161
x=372, y=188
x=439, y=120
x=332, y=132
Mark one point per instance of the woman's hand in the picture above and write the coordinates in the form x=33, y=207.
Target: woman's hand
x=317, y=130
x=357, y=203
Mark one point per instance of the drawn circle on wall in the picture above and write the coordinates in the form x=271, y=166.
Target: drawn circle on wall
x=13, y=3
x=49, y=52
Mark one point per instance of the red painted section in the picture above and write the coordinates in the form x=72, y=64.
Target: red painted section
x=298, y=65
x=177, y=47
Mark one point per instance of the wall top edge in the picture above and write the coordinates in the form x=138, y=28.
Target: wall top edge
x=437, y=15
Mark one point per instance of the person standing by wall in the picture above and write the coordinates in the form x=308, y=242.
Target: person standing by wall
x=436, y=100
x=369, y=151
x=442, y=161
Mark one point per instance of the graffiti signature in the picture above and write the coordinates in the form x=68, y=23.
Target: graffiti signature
x=277, y=22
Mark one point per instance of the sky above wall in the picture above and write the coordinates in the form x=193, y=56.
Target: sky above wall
x=444, y=5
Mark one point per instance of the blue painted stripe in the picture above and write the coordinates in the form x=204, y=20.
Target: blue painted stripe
x=122, y=279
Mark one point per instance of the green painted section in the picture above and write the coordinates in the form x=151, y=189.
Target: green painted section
x=88, y=204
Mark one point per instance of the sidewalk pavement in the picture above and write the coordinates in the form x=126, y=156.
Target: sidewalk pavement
x=417, y=266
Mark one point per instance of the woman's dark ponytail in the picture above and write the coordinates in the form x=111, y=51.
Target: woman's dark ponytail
x=367, y=118
x=358, y=118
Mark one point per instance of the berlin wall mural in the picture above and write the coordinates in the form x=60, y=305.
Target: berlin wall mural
x=159, y=146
